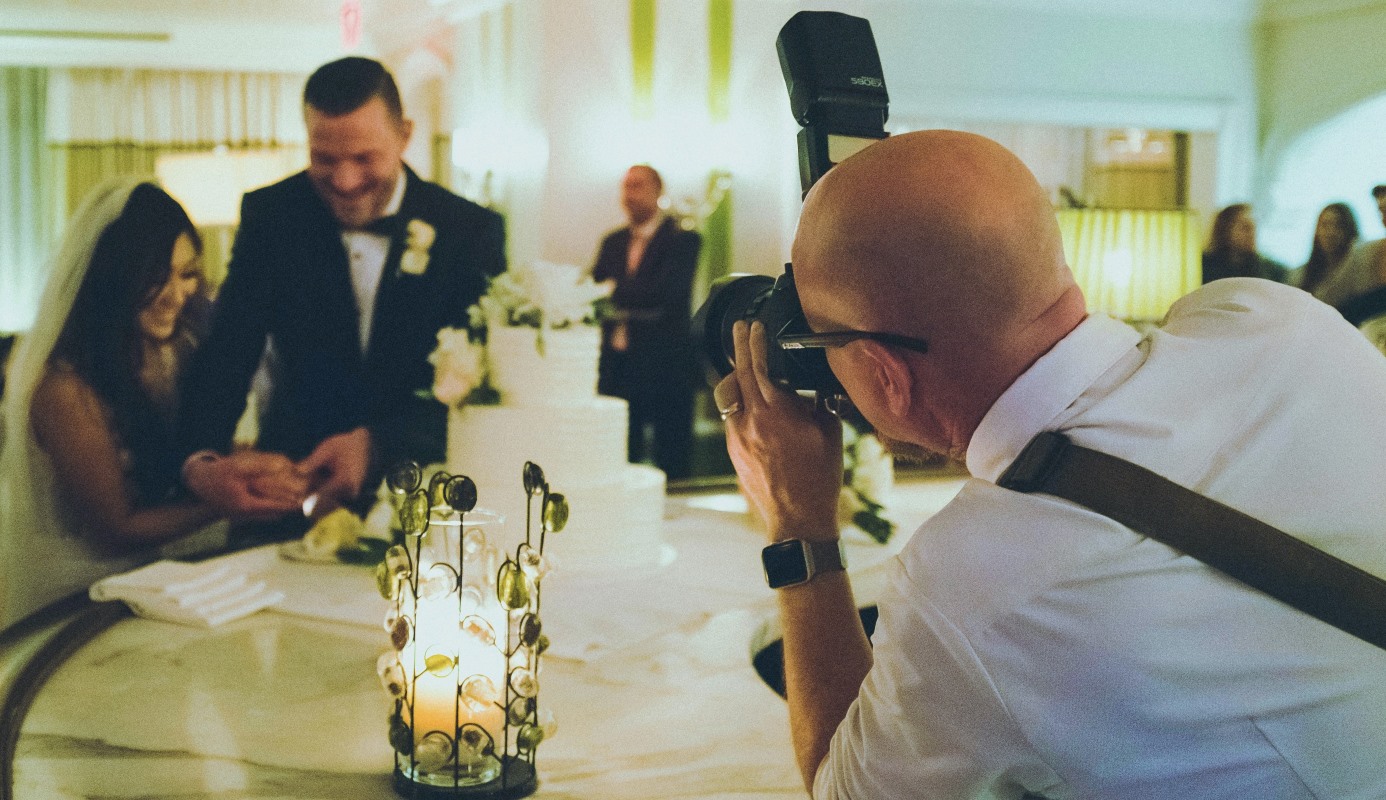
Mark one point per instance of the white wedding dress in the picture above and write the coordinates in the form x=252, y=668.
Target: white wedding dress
x=43, y=556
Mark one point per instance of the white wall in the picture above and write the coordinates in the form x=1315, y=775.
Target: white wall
x=978, y=62
x=248, y=35
x=1322, y=115
x=554, y=74
x=1171, y=67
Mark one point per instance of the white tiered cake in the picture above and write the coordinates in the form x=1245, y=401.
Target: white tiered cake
x=550, y=414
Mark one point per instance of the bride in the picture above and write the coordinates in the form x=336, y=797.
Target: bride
x=89, y=471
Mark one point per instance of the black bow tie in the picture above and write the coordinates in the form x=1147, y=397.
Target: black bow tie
x=385, y=226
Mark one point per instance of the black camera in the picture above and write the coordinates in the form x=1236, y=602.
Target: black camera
x=838, y=96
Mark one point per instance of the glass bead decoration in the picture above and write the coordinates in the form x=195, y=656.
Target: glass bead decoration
x=530, y=628
x=437, y=490
x=533, y=479
x=461, y=493
x=437, y=583
x=473, y=540
x=399, y=635
x=479, y=693
x=512, y=586
x=404, y=478
x=529, y=737
x=434, y=752
x=439, y=664
x=478, y=628
x=534, y=563
x=413, y=513
x=523, y=682
x=391, y=674
x=519, y=710
x=555, y=513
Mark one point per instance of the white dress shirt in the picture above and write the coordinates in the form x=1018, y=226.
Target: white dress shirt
x=1028, y=644
x=366, y=252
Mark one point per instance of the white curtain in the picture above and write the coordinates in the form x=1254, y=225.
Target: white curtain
x=175, y=108
x=111, y=122
x=104, y=123
x=27, y=192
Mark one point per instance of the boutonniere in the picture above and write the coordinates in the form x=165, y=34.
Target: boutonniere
x=418, y=238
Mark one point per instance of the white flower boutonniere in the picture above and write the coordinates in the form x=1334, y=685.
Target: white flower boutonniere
x=418, y=238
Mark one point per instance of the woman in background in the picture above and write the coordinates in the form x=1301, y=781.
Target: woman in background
x=1232, y=252
x=1334, y=236
x=89, y=474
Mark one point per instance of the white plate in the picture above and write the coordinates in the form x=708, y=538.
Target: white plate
x=298, y=551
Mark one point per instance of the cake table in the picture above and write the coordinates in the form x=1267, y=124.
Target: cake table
x=649, y=678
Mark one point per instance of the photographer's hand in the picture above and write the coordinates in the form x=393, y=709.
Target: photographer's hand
x=787, y=453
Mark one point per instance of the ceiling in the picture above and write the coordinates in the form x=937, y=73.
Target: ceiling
x=297, y=34
x=315, y=11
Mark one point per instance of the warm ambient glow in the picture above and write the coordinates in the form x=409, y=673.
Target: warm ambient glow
x=210, y=184
x=1132, y=264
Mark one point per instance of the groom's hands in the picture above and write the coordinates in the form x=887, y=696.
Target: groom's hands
x=336, y=470
x=247, y=484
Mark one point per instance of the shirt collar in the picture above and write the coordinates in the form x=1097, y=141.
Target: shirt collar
x=396, y=199
x=648, y=228
x=1040, y=395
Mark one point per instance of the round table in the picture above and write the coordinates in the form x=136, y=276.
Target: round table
x=649, y=678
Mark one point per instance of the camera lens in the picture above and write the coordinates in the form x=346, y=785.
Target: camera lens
x=730, y=299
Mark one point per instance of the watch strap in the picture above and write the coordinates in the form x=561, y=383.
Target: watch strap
x=790, y=562
x=825, y=556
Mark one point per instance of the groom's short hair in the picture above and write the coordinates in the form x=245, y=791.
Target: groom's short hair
x=342, y=86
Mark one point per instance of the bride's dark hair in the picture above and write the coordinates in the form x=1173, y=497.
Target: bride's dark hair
x=102, y=341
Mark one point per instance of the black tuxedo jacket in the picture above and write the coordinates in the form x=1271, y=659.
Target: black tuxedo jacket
x=289, y=282
x=656, y=298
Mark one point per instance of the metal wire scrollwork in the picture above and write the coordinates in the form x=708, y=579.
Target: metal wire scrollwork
x=454, y=731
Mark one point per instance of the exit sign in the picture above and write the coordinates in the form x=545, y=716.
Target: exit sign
x=351, y=24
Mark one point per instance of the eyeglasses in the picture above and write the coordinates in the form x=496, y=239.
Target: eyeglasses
x=807, y=341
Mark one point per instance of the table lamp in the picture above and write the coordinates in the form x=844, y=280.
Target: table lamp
x=1132, y=264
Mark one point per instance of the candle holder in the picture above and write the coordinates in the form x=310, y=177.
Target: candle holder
x=464, y=667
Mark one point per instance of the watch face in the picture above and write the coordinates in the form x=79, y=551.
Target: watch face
x=784, y=563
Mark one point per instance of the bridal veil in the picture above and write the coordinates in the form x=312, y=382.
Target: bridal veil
x=41, y=553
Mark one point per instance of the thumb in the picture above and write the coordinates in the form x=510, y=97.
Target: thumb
x=316, y=460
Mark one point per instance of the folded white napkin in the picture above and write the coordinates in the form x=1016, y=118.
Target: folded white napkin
x=206, y=594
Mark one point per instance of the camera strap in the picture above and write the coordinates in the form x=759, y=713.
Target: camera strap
x=1257, y=554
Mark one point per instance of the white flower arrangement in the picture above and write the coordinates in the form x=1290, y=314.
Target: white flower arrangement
x=459, y=366
x=543, y=295
x=418, y=239
x=868, y=473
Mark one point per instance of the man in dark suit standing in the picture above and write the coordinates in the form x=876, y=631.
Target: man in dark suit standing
x=647, y=357
x=348, y=270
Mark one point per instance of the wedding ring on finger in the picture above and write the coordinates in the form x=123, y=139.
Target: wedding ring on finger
x=729, y=410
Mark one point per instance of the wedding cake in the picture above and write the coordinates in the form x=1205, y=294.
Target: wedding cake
x=549, y=412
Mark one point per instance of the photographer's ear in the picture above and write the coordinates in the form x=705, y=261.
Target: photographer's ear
x=894, y=380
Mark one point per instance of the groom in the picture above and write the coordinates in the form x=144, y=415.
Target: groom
x=347, y=270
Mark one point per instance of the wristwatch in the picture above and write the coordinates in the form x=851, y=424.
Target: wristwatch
x=795, y=561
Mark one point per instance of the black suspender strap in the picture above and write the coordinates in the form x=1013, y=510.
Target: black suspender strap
x=1247, y=549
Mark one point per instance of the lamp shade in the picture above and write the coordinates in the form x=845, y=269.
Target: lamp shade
x=1132, y=264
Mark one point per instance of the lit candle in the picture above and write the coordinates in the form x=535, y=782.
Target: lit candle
x=460, y=667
